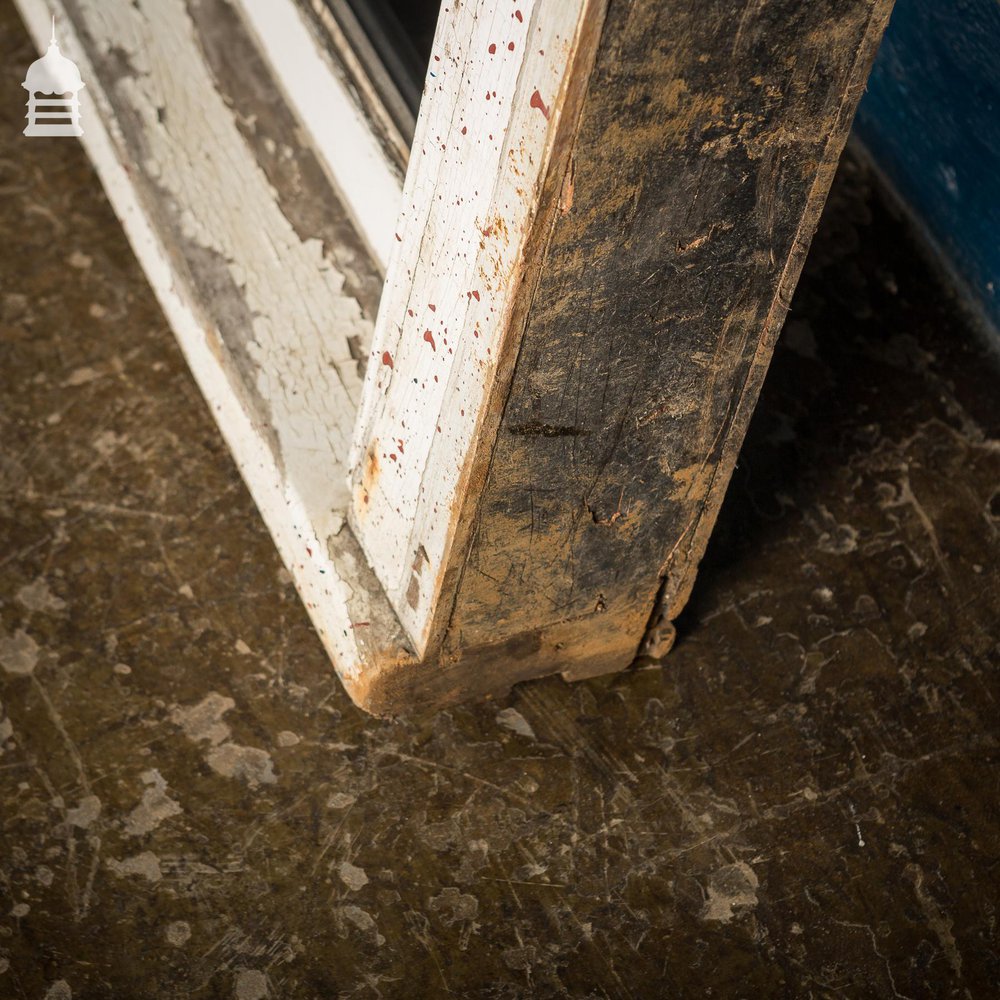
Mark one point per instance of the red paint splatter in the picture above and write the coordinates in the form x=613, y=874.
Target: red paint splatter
x=475, y=295
x=464, y=130
x=510, y=46
x=409, y=312
x=493, y=48
x=402, y=450
x=487, y=95
x=433, y=308
x=387, y=359
x=398, y=237
x=537, y=102
x=517, y=14
x=392, y=455
x=310, y=551
x=429, y=337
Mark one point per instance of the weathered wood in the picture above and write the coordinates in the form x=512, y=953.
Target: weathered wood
x=583, y=293
x=259, y=267
x=709, y=137
x=669, y=235
x=365, y=158
x=497, y=106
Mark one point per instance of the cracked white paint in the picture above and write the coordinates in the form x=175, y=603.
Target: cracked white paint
x=208, y=176
x=327, y=109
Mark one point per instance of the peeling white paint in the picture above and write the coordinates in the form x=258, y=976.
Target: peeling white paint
x=332, y=116
x=363, y=920
x=302, y=318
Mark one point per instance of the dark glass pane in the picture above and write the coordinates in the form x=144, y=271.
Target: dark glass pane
x=401, y=32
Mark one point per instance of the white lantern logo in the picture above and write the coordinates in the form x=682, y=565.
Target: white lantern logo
x=55, y=75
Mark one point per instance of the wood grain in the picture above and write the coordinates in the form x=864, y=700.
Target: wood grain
x=709, y=137
x=258, y=266
x=493, y=107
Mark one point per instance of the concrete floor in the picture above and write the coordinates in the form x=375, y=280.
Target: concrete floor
x=801, y=801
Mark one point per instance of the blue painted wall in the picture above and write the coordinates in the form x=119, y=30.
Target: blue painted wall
x=931, y=119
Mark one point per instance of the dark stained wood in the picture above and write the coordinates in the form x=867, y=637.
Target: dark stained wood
x=709, y=136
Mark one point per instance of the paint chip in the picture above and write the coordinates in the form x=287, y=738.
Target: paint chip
x=511, y=718
x=37, y=596
x=730, y=889
x=85, y=813
x=537, y=102
x=155, y=807
x=19, y=653
x=246, y=764
x=250, y=984
x=204, y=720
x=145, y=865
x=178, y=933
x=352, y=876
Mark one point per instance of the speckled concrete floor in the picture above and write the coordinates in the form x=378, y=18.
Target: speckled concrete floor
x=802, y=801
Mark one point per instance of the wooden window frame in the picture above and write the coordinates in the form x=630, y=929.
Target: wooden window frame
x=427, y=386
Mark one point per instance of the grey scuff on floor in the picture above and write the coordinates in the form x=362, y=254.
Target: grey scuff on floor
x=801, y=801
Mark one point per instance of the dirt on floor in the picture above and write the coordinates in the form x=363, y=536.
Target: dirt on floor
x=801, y=801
